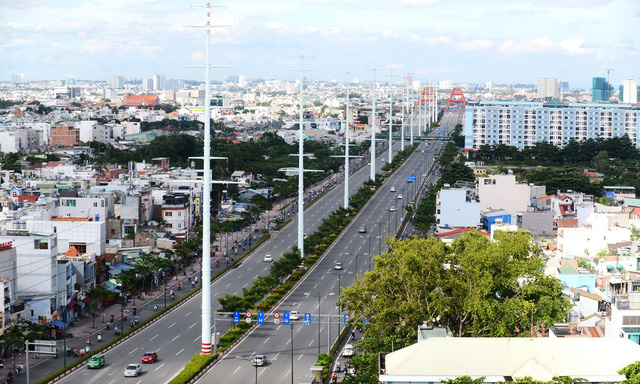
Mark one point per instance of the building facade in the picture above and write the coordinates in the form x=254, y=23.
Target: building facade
x=64, y=136
x=522, y=124
x=549, y=88
x=630, y=91
x=601, y=90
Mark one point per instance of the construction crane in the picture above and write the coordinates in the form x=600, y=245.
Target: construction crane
x=608, y=82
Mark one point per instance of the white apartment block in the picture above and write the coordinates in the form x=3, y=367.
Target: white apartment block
x=630, y=91
x=36, y=262
x=92, y=131
x=522, y=124
x=456, y=208
x=549, y=88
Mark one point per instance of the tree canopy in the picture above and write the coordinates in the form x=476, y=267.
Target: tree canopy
x=475, y=287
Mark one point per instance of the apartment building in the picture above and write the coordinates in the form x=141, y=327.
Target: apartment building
x=522, y=124
x=64, y=136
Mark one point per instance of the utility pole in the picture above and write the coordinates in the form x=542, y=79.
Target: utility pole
x=413, y=115
x=372, y=176
x=347, y=142
x=402, y=122
x=390, y=114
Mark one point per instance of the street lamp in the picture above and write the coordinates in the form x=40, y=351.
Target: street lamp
x=249, y=359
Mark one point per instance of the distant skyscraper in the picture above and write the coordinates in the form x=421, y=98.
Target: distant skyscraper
x=549, y=88
x=630, y=92
x=445, y=84
x=242, y=81
x=159, y=81
x=601, y=90
x=564, y=86
x=147, y=84
x=17, y=78
x=117, y=82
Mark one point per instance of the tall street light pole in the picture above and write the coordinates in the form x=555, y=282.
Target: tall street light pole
x=402, y=121
x=372, y=175
x=390, y=114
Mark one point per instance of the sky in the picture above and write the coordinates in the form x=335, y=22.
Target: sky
x=514, y=41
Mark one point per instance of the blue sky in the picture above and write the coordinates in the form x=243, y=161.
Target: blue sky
x=460, y=40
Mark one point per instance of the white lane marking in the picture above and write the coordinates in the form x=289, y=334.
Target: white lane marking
x=265, y=341
x=133, y=351
x=288, y=341
x=228, y=285
x=288, y=373
x=180, y=351
x=171, y=325
x=159, y=367
x=197, y=338
x=188, y=314
x=276, y=356
x=278, y=327
x=245, y=285
x=236, y=370
x=174, y=339
x=153, y=337
x=311, y=342
x=300, y=357
x=192, y=325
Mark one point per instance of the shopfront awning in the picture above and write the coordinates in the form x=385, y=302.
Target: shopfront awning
x=80, y=303
x=71, y=304
x=59, y=323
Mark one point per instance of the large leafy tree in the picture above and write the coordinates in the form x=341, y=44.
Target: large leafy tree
x=475, y=287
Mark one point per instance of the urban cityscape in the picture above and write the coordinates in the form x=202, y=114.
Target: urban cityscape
x=320, y=192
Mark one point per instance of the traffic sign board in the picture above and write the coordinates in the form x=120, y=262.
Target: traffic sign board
x=236, y=317
x=307, y=318
x=286, y=320
x=248, y=314
x=260, y=317
x=364, y=319
x=276, y=315
x=346, y=318
x=411, y=178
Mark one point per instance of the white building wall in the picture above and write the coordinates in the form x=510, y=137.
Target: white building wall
x=93, y=234
x=630, y=91
x=13, y=140
x=86, y=130
x=502, y=192
x=592, y=238
x=36, y=268
x=455, y=211
x=89, y=207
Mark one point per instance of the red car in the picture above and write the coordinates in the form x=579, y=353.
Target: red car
x=149, y=357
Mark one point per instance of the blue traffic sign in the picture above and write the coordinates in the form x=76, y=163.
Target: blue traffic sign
x=285, y=318
x=411, y=178
x=364, y=319
x=260, y=317
x=346, y=318
x=307, y=318
x=236, y=317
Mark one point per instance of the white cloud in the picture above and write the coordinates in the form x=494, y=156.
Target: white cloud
x=475, y=45
x=99, y=46
x=197, y=56
x=420, y=3
x=387, y=32
x=439, y=40
x=575, y=47
x=276, y=25
x=542, y=45
x=535, y=45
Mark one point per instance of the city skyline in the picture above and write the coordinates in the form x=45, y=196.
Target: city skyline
x=501, y=42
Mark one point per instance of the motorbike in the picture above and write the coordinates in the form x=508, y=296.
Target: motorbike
x=99, y=337
x=155, y=307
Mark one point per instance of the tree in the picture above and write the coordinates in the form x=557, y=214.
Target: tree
x=21, y=332
x=11, y=162
x=474, y=286
x=631, y=373
x=465, y=380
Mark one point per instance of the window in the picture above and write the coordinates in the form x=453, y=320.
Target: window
x=102, y=203
x=69, y=203
x=113, y=231
x=95, y=204
x=40, y=244
x=166, y=214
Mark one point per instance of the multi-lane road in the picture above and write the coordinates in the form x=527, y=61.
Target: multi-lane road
x=323, y=281
x=176, y=337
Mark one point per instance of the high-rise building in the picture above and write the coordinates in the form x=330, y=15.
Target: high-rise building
x=630, y=91
x=117, y=82
x=549, y=88
x=445, y=84
x=564, y=86
x=159, y=82
x=147, y=84
x=522, y=124
x=601, y=90
x=17, y=78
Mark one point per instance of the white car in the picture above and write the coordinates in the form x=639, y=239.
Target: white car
x=268, y=258
x=392, y=208
x=399, y=195
x=294, y=315
x=133, y=370
x=348, y=351
x=337, y=266
x=393, y=189
x=260, y=360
